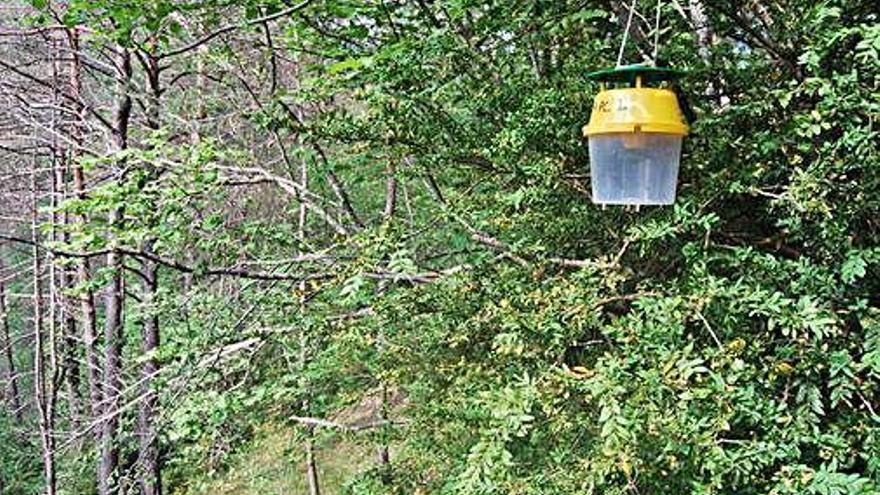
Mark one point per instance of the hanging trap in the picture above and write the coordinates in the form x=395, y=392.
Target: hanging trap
x=635, y=135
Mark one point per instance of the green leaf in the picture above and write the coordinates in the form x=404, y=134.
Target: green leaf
x=854, y=268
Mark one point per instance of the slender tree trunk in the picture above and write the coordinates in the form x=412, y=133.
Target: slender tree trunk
x=150, y=472
x=390, y=191
x=108, y=465
x=113, y=340
x=9, y=376
x=201, y=85
x=46, y=375
x=71, y=345
x=312, y=467
x=89, y=331
x=43, y=383
x=148, y=447
x=62, y=303
x=60, y=279
x=383, y=454
x=311, y=463
x=342, y=196
x=87, y=315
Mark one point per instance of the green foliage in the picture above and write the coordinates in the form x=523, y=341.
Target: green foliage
x=20, y=468
x=732, y=354
x=727, y=345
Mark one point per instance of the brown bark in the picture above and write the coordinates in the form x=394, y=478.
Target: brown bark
x=312, y=467
x=390, y=191
x=383, y=455
x=88, y=318
x=108, y=464
x=112, y=383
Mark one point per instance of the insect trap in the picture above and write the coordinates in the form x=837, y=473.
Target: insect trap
x=635, y=129
x=635, y=133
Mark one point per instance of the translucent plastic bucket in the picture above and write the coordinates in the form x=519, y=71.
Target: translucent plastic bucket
x=635, y=168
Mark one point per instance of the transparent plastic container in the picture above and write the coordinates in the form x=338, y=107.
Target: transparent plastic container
x=635, y=168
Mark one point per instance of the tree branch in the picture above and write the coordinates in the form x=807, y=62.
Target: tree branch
x=232, y=27
x=177, y=265
x=343, y=426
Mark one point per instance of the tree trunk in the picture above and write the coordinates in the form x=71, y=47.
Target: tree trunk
x=71, y=345
x=311, y=463
x=390, y=191
x=108, y=464
x=63, y=305
x=312, y=467
x=9, y=374
x=383, y=456
x=149, y=473
x=113, y=340
x=342, y=196
x=60, y=278
x=83, y=276
x=44, y=388
x=71, y=363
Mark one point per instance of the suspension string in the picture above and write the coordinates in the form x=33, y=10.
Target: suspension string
x=629, y=20
x=656, y=35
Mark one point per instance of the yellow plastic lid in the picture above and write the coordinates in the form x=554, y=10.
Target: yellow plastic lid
x=651, y=110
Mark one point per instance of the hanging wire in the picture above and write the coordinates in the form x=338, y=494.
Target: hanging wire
x=656, y=35
x=629, y=20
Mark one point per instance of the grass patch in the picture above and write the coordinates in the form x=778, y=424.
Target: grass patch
x=274, y=466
